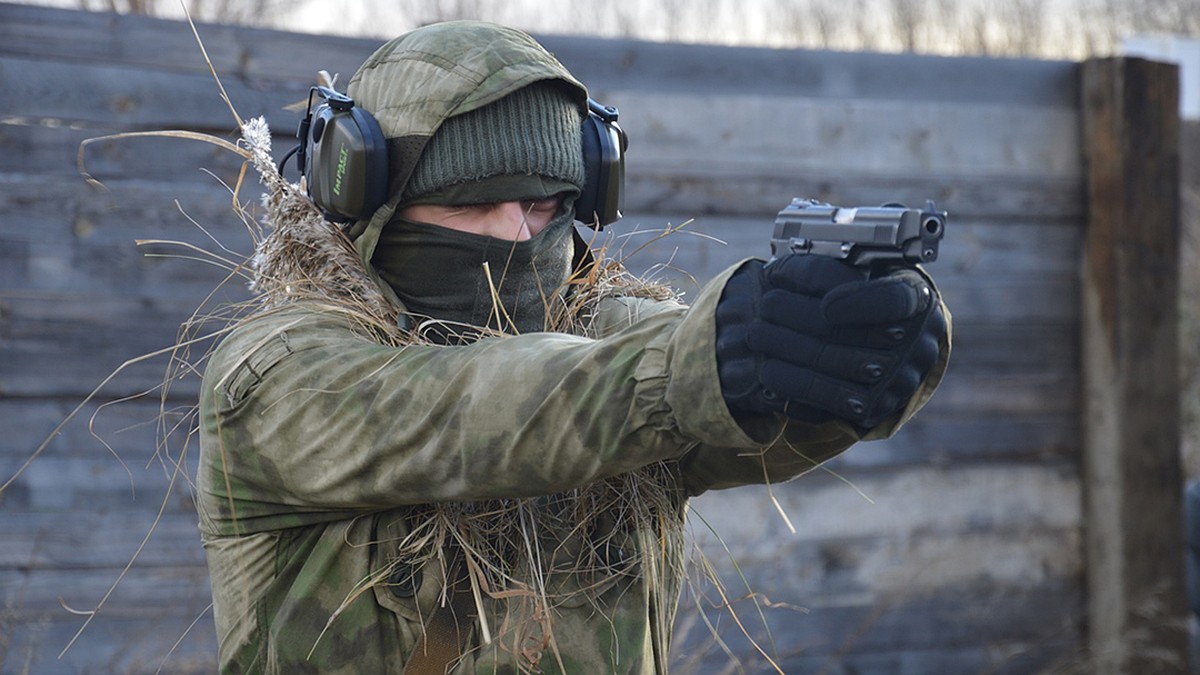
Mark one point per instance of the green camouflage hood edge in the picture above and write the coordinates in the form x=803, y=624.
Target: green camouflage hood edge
x=417, y=81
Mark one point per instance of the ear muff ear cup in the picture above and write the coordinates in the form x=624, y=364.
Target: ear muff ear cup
x=604, y=143
x=346, y=164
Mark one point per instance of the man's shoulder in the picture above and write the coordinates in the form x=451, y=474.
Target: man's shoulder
x=293, y=327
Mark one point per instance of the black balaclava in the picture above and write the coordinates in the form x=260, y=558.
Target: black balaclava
x=526, y=146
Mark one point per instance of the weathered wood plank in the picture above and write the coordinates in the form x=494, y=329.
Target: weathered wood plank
x=904, y=622
x=933, y=613
x=779, y=135
x=116, y=97
x=1010, y=657
x=30, y=148
x=994, y=499
x=98, y=541
x=76, y=237
x=235, y=51
x=86, y=247
x=849, y=552
x=914, y=634
x=983, y=348
x=38, y=332
x=600, y=62
x=120, y=267
x=75, y=214
x=128, y=427
x=854, y=635
x=947, y=439
x=697, y=190
x=150, y=610
x=118, y=471
x=36, y=359
x=142, y=592
x=938, y=437
x=1008, y=253
x=662, y=67
x=945, y=434
x=1130, y=333
x=746, y=197
x=114, y=643
x=55, y=210
x=862, y=143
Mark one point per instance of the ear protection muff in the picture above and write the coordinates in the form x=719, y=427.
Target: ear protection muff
x=344, y=158
x=343, y=155
x=604, y=145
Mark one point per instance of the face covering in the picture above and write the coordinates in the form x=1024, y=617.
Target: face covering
x=438, y=273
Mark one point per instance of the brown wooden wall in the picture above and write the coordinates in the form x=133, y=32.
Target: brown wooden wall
x=957, y=547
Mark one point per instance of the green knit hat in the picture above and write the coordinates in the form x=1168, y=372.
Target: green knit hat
x=534, y=131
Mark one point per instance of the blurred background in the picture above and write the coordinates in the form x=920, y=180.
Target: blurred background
x=1057, y=29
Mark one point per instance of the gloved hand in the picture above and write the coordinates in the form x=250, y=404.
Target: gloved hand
x=816, y=339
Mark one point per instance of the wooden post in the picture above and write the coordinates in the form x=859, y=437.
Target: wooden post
x=1130, y=350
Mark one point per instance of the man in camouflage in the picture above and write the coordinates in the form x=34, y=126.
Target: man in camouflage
x=543, y=472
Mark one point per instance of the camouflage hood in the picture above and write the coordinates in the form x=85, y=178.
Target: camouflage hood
x=417, y=81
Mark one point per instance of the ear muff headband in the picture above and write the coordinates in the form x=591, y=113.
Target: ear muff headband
x=344, y=157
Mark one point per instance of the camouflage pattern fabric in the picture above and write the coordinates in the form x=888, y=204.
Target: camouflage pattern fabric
x=315, y=439
x=321, y=448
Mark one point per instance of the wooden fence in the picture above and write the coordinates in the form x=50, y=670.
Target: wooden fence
x=1027, y=521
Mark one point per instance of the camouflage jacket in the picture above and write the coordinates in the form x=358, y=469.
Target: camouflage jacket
x=320, y=445
x=316, y=441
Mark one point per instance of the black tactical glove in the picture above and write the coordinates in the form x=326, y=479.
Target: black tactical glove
x=816, y=339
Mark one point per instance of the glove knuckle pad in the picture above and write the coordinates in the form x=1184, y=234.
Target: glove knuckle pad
x=794, y=310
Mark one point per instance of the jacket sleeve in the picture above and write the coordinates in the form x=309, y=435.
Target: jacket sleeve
x=784, y=449
x=303, y=419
